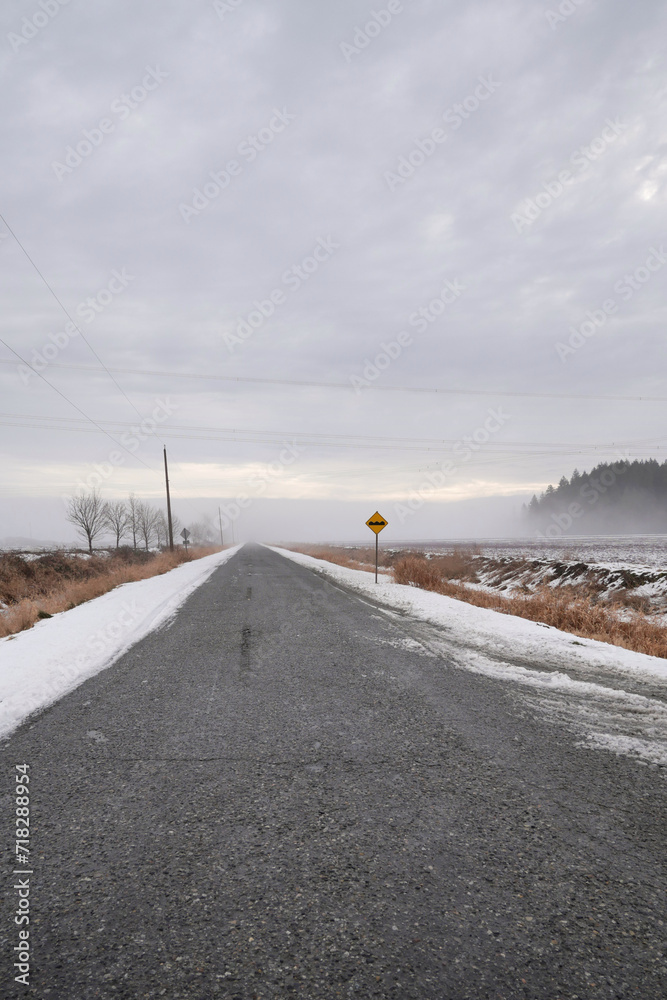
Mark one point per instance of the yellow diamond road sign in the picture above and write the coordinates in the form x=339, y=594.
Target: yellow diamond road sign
x=377, y=523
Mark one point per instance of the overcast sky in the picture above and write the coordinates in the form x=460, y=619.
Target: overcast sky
x=500, y=166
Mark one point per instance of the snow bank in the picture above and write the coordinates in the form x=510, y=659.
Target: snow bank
x=490, y=632
x=39, y=666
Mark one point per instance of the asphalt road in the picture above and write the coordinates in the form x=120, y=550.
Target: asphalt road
x=286, y=793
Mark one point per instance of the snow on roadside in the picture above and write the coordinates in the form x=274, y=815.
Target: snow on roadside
x=40, y=665
x=490, y=631
x=581, y=683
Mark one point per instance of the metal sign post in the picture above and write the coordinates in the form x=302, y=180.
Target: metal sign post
x=185, y=534
x=377, y=523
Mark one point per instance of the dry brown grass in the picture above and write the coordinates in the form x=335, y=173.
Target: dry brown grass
x=456, y=565
x=338, y=556
x=56, y=582
x=567, y=608
x=419, y=572
x=354, y=557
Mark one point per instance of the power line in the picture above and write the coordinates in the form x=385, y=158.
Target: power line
x=88, y=344
x=270, y=436
x=198, y=376
x=90, y=347
x=72, y=403
x=78, y=330
x=323, y=439
x=97, y=425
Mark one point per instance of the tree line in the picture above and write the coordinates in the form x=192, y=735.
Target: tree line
x=615, y=497
x=134, y=520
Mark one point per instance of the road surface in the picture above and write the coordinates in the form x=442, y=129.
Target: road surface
x=285, y=792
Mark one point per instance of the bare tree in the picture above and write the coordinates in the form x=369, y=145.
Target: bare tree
x=203, y=532
x=117, y=519
x=133, y=505
x=147, y=523
x=162, y=529
x=88, y=512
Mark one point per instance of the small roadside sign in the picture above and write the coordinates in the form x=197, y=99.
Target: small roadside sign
x=377, y=523
x=185, y=534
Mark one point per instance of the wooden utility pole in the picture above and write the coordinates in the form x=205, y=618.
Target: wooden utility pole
x=220, y=518
x=166, y=479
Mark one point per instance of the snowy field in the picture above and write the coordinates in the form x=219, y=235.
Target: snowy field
x=629, y=571
x=635, y=552
x=611, y=698
x=40, y=665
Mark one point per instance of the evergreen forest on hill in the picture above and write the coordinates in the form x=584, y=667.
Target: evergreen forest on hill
x=614, y=498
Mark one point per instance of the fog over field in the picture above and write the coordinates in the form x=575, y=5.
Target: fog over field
x=338, y=258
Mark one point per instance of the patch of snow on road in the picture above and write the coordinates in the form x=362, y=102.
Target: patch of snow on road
x=405, y=643
x=608, y=718
x=627, y=746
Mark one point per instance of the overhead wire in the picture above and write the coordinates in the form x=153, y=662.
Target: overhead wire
x=325, y=439
x=448, y=391
x=69, y=317
x=104, y=367
x=71, y=402
x=271, y=437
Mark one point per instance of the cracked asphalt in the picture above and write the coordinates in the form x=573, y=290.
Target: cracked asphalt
x=284, y=792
